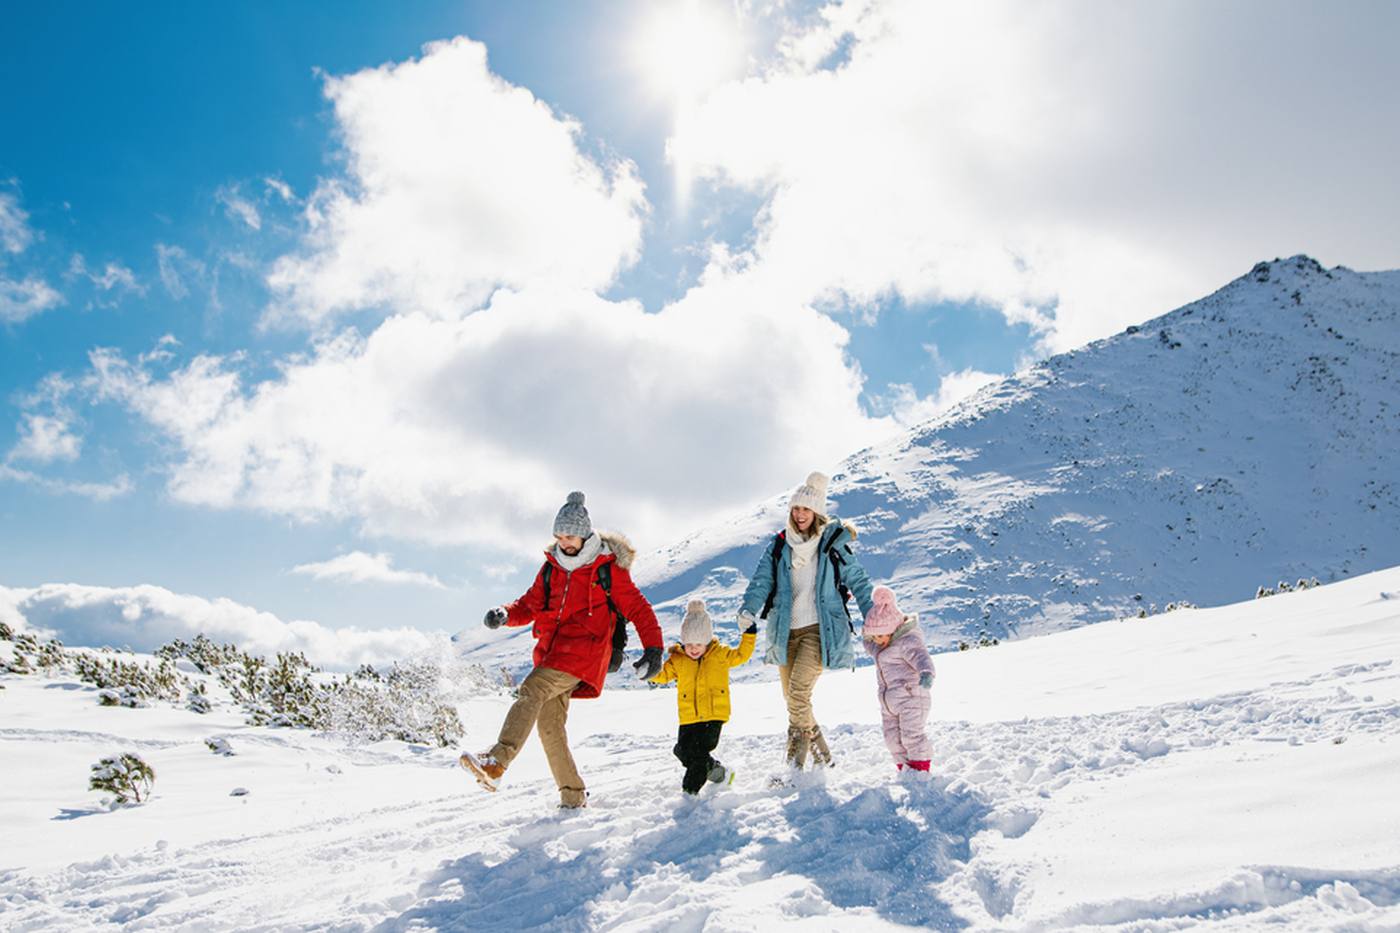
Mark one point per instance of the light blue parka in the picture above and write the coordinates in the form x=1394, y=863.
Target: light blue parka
x=838, y=646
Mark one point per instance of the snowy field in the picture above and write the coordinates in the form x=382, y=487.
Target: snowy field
x=1232, y=768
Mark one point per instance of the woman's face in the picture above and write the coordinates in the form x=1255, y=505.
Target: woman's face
x=802, y=518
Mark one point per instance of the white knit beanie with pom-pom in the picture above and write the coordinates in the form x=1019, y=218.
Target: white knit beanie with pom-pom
x=697, y=628
x=811, y=494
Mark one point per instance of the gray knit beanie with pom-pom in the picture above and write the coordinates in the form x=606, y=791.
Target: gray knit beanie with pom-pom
x=573, y=518
x=696, y=629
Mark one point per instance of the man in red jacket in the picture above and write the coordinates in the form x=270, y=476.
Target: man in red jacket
x=570, y=604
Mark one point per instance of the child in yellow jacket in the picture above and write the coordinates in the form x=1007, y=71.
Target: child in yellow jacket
x=700, y=667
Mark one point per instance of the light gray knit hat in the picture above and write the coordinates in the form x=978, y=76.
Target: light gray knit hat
x=573, y=518
x=811, y=494
x=697, y=628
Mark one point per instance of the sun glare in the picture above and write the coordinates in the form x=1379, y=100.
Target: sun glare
x=685, y=47
x=682, y=50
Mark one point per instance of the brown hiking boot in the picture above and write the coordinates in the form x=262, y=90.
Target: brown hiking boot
x=799, y=741
x=821, y=754
x=485, y=767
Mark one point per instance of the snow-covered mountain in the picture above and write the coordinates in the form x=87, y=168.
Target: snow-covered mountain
x=1250, y=437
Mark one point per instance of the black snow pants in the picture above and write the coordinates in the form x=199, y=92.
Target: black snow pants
x=693, y=747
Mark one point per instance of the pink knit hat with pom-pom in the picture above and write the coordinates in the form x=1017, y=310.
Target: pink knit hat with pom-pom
x=884, y=617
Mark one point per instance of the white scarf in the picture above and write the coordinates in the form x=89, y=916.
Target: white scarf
x=592, y=547
x=803, y=550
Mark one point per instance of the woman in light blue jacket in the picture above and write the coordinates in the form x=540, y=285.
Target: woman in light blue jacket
x=801, y=586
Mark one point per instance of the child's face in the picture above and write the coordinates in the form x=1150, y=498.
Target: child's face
x=880, y=640
x=694, y=650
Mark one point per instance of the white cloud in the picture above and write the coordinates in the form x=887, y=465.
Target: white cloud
x=177, y=268
x=473, y=430
x=457, y=183
x=238, y=207
x=98, y=492
x=1079, y=165
x=114, y=276
x=45, y=439
x=909, y=408
x=22, y=299
x=359, y=567
x=280, y=188
x=15, y=235
x=145, y=617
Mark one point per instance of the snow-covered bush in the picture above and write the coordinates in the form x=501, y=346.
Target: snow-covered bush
x=406, y=704
x=219, y=746
x=127, y=777
x=121, y=696
x=1304, y=583
x=1179, y=604
x=6, y=633
x=197, y=699
x=128, y=683
x=984, y=640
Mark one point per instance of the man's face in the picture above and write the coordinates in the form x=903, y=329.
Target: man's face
x=569, y=544
x=695, y=650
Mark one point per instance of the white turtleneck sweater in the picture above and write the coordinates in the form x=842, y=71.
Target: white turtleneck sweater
x=804, y=579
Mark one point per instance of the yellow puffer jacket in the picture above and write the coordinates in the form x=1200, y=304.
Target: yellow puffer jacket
x=702, y=687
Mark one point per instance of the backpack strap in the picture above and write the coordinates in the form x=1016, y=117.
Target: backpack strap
x=834, y=553
x=545, y=574
x=776, y=554
x=604, y=578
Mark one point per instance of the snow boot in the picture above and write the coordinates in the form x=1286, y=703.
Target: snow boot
x=821, y=754
x=719, y=774
x=799, y=743
x=488, y=770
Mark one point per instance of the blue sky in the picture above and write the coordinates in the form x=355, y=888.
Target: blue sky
x=676, y=285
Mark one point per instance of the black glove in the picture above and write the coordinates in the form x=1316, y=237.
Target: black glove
x=926, y=680
x=495, y=618
x=651, y=661
x=753, y=623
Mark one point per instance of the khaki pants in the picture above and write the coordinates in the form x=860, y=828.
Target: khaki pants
x=799, y=675
x=543, y=706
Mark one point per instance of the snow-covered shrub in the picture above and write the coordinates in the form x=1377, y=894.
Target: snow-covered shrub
x=1263, y=591
x=286, y=694
x=197, y=699
x=984, y=640
x=406, y=704
x=128, y=680
x=219, y=746
x=1179, y=604
x=127, y=777
x=121, y=696
x=6, y=633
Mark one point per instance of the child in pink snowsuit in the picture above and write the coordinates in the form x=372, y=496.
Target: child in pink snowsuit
x=905, y=674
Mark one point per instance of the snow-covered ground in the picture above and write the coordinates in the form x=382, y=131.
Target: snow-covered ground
x=1233, y=768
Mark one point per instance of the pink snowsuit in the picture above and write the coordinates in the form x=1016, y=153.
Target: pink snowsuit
x=904, y=705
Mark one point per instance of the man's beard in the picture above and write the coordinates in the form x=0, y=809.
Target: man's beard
x=571, y=551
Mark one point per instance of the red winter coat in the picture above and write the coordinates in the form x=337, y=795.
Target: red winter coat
x=574, y=633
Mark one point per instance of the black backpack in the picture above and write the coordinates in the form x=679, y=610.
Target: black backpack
x=832, y=552
x=604, y=578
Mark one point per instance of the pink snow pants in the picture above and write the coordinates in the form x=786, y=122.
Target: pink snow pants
x=904, y=714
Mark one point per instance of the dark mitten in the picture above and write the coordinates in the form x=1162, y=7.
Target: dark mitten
x=650, y=664
x=926, y=680
x=495, y=618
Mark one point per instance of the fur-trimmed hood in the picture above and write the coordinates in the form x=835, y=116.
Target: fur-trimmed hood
x=615, y=543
